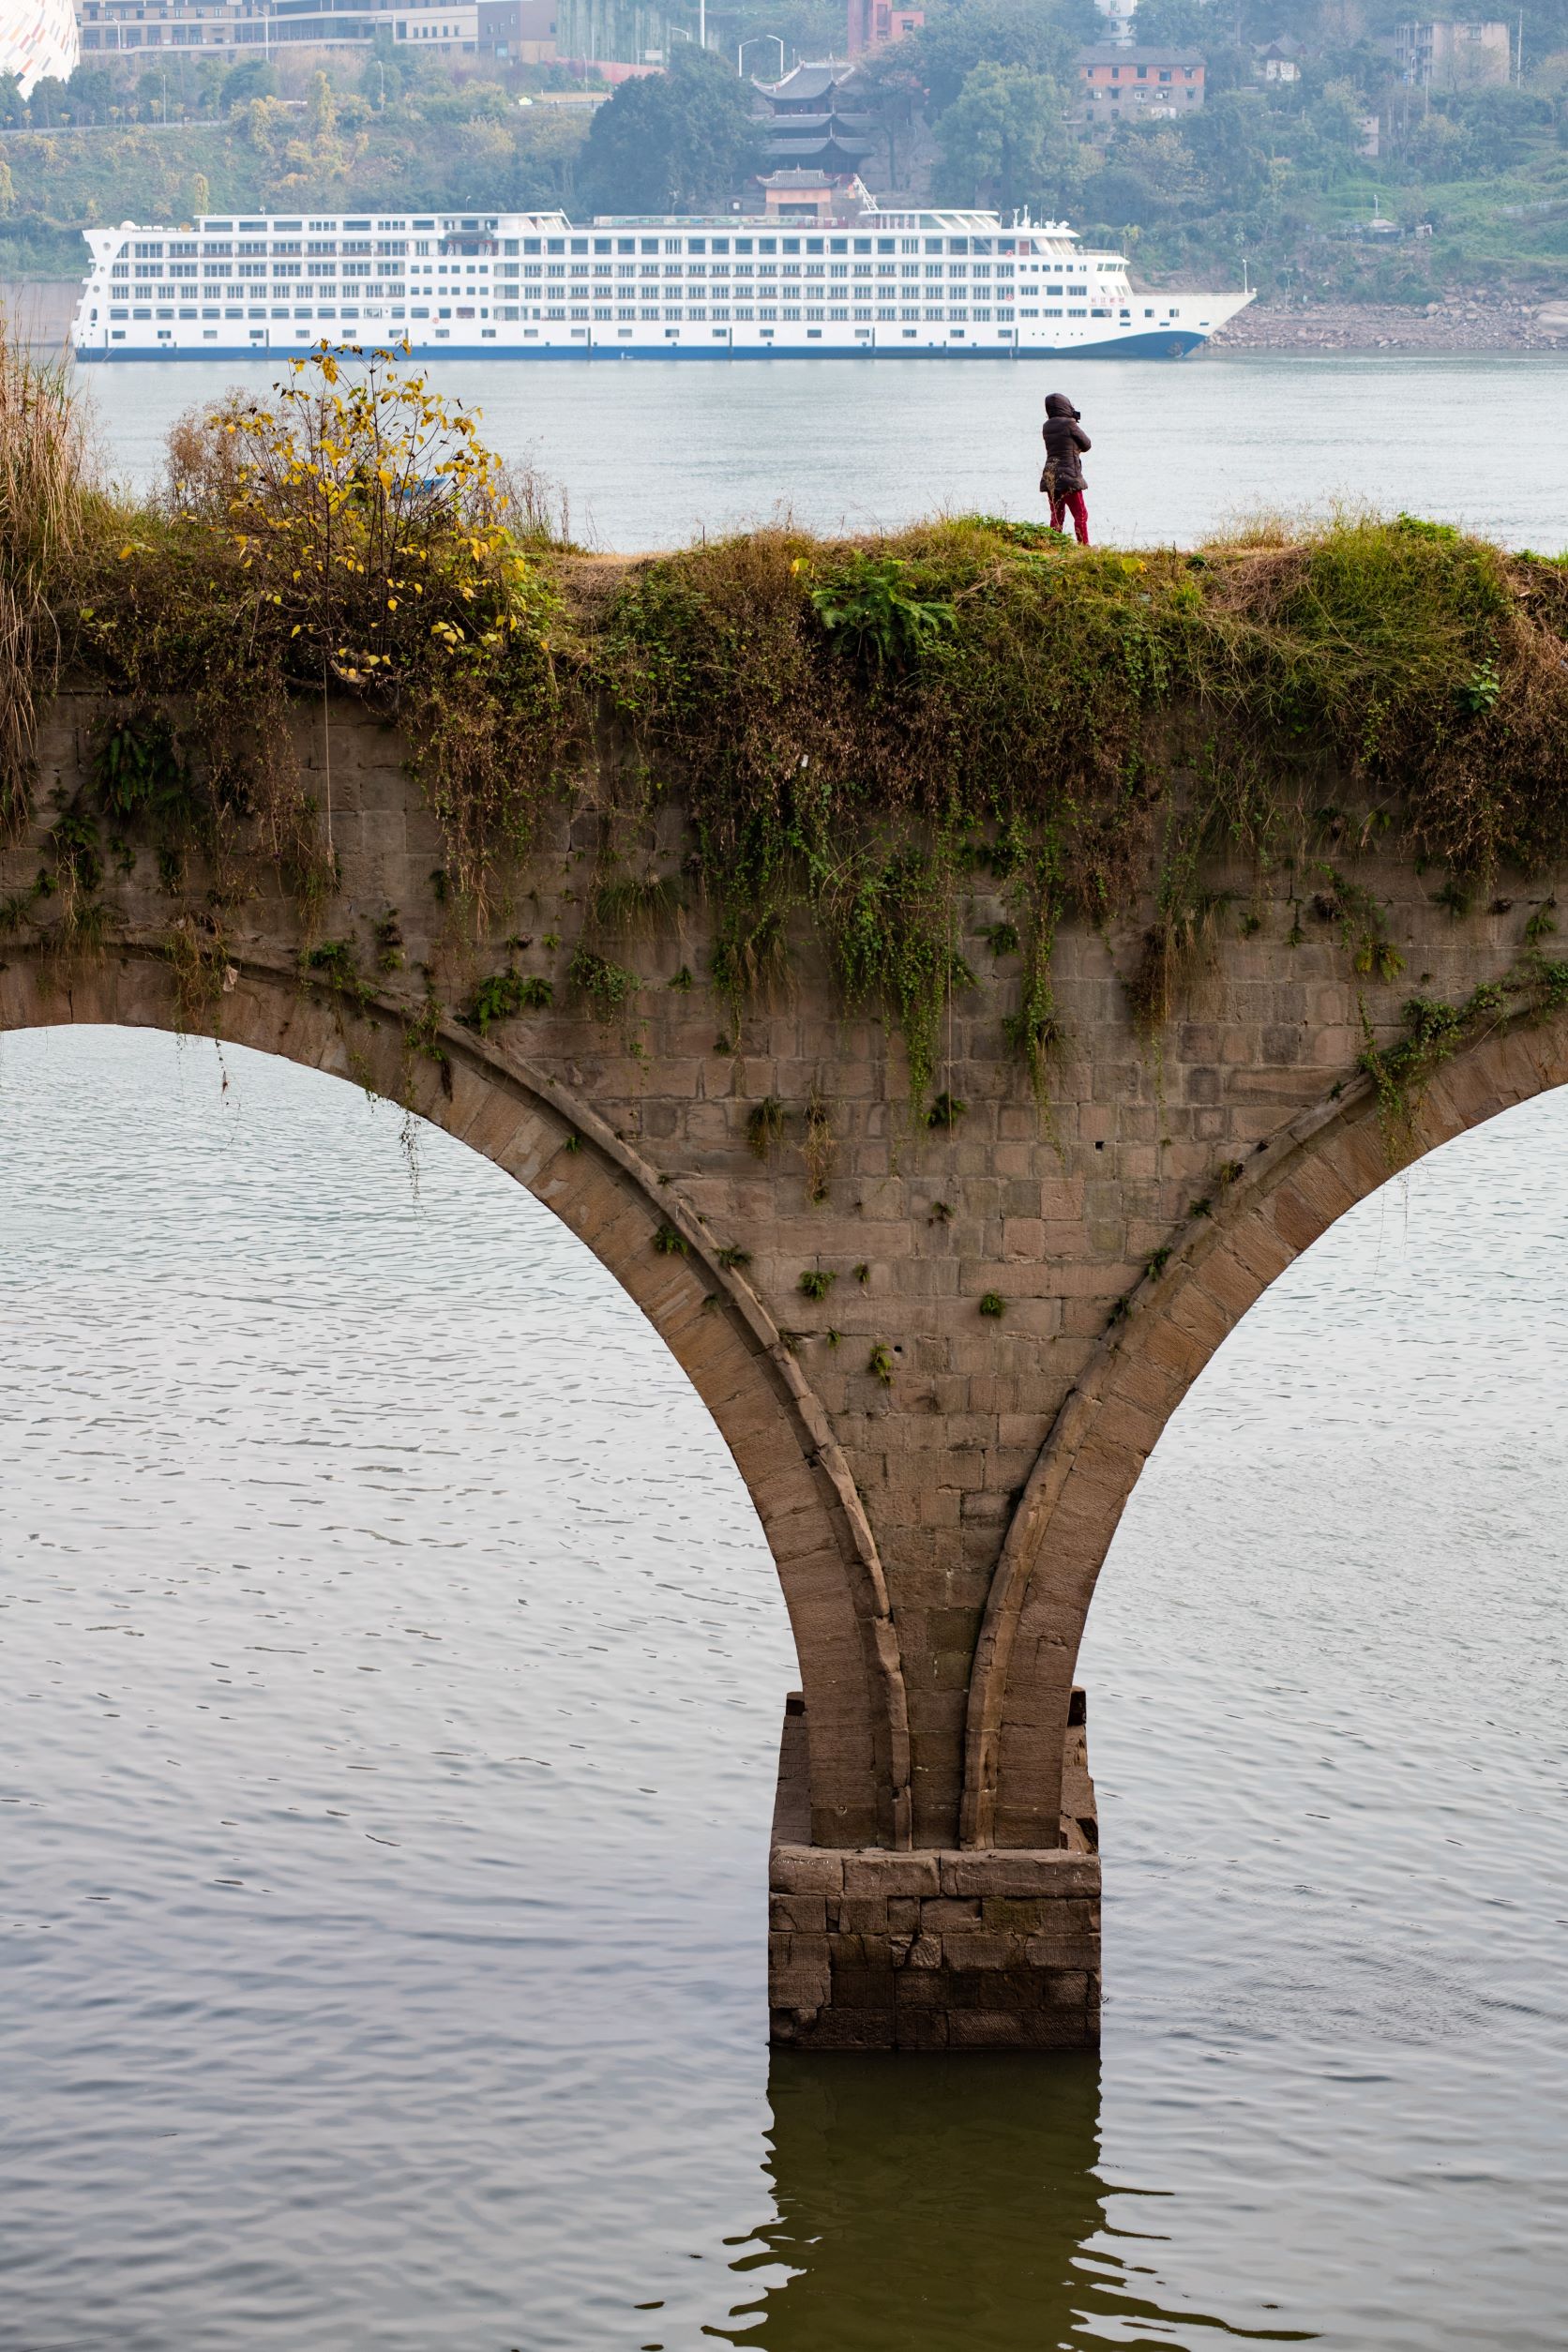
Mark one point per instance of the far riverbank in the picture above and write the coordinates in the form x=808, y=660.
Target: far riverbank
x=1458, y=325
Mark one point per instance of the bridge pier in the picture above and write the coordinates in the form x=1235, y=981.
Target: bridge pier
x=979, y=1948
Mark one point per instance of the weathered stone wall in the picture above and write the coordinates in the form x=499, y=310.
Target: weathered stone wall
x=937, y=1535
x=959, y=1949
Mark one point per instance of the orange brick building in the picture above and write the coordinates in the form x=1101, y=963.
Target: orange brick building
x=1143, y=81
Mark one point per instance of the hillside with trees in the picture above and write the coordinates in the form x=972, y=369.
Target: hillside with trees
x=980, y=106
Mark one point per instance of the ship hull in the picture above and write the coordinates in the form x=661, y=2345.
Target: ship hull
x=1177, y=344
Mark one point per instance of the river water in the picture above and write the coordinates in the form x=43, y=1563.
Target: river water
x=392, y=1671
x=652, y=454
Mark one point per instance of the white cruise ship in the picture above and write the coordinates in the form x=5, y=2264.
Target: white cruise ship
x=533, y=285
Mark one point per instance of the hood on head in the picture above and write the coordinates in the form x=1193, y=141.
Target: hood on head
x=1058, y=404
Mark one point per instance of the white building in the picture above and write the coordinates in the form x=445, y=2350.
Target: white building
x=38, y=39
x=1453, y=55
x=262, y=28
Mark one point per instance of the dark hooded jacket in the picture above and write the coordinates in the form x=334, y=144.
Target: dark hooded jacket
x=1063, y=437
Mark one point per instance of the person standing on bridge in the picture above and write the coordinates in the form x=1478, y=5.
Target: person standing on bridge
x=1062, y=481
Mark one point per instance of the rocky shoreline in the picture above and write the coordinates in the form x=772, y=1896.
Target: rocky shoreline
x=1459, y=324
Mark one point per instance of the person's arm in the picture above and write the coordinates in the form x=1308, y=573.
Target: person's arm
x=1080, y=438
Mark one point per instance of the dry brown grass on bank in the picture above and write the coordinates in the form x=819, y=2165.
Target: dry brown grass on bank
x=44, y=493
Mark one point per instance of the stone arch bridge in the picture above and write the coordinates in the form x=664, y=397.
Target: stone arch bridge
x=940, y=1354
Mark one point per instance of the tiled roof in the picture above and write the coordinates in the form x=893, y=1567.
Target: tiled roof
x=1111, y=56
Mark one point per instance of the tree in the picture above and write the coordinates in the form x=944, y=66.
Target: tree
x=49, y=104
x=960, y=35
x=1230, y=138
x=894, y=94
x=1176, y=25
x=254, y=79
x=89, y=93
x=13, y=106
x=672, y=141
x=1003, y=136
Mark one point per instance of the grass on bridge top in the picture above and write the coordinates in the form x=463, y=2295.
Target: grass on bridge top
x=861, y=730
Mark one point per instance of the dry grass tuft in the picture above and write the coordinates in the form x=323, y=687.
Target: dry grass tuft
x=43, y=498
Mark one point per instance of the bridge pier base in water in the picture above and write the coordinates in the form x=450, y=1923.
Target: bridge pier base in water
x=985, y=1948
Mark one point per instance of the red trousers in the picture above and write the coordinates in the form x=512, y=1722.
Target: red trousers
x=1071, y=503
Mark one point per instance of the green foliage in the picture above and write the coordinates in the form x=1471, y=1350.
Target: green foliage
x=1048, y=726
x=946, y=1112
x=764, y=1126
x=122, y=146
x=960, y=36
x=680, y=141
x=607, y=987
x=993, y=1305
x=502, y=995
x=1085, y=729
x=669, y=1243
x=868, y=610
x=880, y=1363
x=1434, y=1032
x=632, y=905
x=733, y=1259
x=1004, y=139
x=815, y=1283
x=138, y=772
x=1001, y=938
x=1477, y=694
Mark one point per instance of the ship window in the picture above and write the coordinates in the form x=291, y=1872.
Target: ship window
x=791, y=245
x=248, y=227
x=649, y=245
x=531, y=245
x=556, y=245
x=696, y=244
x=601, y=245
x=220, y=227
x=743, y=244
x=280, y=226
x=424, y=224
x=767, y=244
x=837, y=245
x=863, y=245
x=625, y=244
x=580, y=244
x=813, y=245
x=720, y=245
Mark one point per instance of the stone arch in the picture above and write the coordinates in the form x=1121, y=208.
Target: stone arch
x=712, y=1322
x=1296, y=1185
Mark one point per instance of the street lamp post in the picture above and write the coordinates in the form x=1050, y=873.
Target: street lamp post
x=740, y=54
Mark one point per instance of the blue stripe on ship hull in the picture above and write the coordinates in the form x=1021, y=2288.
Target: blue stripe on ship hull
x=1172, y=343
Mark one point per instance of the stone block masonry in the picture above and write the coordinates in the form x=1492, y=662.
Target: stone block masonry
x=940, y=1355
x=933, y=1948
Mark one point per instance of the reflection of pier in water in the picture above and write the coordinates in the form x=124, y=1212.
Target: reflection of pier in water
x=949, y=2206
